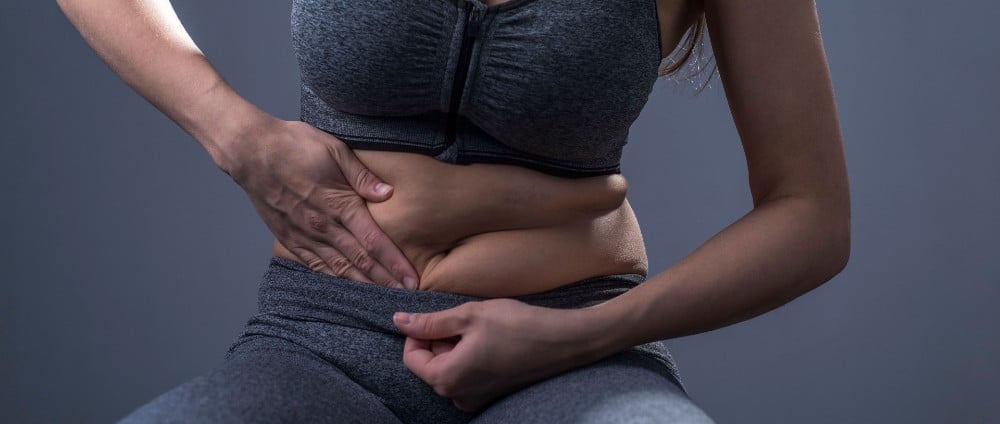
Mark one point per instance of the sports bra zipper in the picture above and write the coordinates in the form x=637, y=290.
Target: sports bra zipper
x=470, y=32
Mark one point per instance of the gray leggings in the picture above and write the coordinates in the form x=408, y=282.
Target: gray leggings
x=324, y=349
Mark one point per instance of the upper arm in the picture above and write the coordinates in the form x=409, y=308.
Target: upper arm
x=775, y=74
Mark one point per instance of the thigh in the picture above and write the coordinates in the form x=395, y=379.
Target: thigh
x=273, y=384
x=624, y=388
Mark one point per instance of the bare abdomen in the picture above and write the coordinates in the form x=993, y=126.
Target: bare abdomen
x=499, y=230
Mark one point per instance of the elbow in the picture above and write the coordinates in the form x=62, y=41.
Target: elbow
x=831, y=229
x=833, y=214
x=842, y=250
x=844, y=233
x=839, y=243
x=832, y=252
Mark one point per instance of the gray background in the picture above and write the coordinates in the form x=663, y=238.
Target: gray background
x=129, y=262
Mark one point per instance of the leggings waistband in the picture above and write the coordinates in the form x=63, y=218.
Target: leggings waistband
x=291, y=288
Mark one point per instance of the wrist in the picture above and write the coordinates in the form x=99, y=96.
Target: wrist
x=223, y=122
x=604, y=329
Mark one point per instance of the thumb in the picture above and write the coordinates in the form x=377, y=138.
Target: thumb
x=362, y=180
x=429, y=326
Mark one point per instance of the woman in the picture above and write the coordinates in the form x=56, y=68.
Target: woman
x=459, y=159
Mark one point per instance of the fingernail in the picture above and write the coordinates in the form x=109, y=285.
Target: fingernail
x=402, y=317
x=382, y=189
x=409, y=282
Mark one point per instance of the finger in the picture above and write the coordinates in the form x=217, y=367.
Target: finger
x=425, y=364
x=342, y=266
x=442, y=346
x=436, y=325
x=417, y=356
x=326, y=229
x=362, y=226
x=417, y=350
x=346, y=246
x=365, y=182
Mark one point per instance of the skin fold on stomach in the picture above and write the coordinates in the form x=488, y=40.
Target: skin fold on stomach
x=494, y=230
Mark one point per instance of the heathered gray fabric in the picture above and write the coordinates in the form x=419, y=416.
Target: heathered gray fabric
x=552, y=85
x=324, y=349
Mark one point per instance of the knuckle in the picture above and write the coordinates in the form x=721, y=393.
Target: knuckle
x=316, y=264
x=362, y=261
x=425, y=324
x=370, y=239
x=398, y=269
x=389, y=282
x=445, y=390
x=336, y=149
x=363, y=177
x=342, y=242
x=311, y=260
x=335, y=143
x=464, y=314
x=341, y=202
x=317, y=222
x=339, y=264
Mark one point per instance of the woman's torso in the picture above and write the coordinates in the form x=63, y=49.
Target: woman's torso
x=496, y=230
x=501, y=230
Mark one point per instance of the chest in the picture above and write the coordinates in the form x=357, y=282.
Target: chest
x=406, y=57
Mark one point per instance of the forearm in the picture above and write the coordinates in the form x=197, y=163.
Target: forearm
x=145, y=44
x=776, y=252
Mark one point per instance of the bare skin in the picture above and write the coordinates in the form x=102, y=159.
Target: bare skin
x=496, y=230
x=499, y=230
x=796, y=237
x=482, y=229
x=322, y=202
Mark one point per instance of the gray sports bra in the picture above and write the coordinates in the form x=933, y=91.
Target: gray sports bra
x=552, y=85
